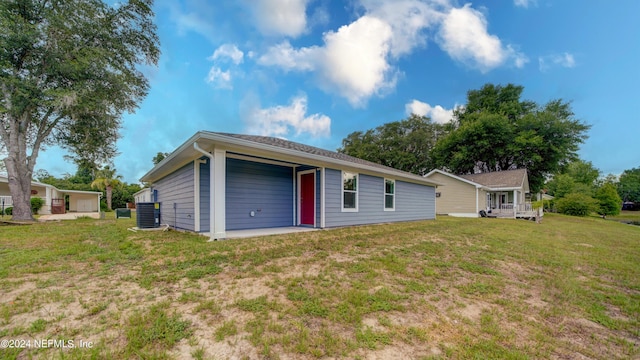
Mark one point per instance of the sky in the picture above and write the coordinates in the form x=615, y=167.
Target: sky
x=313, y=71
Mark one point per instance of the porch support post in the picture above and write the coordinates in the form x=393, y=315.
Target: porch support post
x=218, y=194
x=515, y=203
x=217, y=189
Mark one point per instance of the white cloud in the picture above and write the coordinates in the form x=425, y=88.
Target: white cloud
x=219, y=79
x=436, y=113
x=524, y=3
x=408, y=20
x=352, y=61
x=280, y=120
x=565, y=60
x=286, y=57
x=280, y=17
x=196, y=19
x=356, y=61
x=464, y=36
x=229, y=51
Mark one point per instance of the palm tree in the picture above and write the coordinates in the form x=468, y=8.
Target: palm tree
x=106, y=179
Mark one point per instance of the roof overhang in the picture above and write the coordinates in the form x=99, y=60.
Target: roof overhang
x=80, y=192
x=209, y=141
x=479, y=186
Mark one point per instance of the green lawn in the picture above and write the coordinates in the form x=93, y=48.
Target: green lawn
x=451, y=288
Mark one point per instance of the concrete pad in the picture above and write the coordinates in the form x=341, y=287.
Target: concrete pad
x=68, y=216
x=238, y=234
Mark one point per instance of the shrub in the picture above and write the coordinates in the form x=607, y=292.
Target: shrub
x=36, y=204
x=8, y=211
x=610, y=202
x=577, y=204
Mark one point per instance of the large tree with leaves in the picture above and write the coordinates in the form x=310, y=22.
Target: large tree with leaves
x=65, y=66
x=629, y=185
x=496, y=130
x=404, y=145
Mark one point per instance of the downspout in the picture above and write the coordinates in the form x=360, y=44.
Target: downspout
x=211, y=192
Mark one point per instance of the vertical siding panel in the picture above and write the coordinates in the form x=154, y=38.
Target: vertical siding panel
x=205, y=210
x=177, y=188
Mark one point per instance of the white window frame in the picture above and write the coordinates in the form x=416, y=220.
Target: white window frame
x=357, y=176
x=384, y=199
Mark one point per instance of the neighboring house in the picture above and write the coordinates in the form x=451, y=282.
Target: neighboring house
x=501, y=193
x=264, y=182
x=143, y=196
x=55, y=200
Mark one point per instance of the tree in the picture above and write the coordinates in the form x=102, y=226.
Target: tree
x=578, y=176
x=609, y=202
x=66, y=65
x=159, y=157
x=583, y=172
x=403, y=145
x=106, y=181
x=497, y=131
x=629, y=185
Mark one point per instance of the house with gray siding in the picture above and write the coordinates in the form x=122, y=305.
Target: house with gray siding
x=219, y=182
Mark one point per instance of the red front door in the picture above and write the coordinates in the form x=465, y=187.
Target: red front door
x=307, y=199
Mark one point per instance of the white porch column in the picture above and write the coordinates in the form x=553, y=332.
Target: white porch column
x=515, y=203
x=218, y=191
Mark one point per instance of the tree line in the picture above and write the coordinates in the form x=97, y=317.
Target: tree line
x=496, y=130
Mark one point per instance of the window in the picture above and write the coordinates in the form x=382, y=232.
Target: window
x=389, y=194
x=349, y=191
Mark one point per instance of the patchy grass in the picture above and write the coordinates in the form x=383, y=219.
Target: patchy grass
x=450, y=288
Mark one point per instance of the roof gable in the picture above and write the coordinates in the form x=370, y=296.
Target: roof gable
x=461, y=179
x=500, y=179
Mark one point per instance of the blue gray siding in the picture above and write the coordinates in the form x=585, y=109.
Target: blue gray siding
x=413, y=201
x=205, y=210
x=263, y=188
x=177, y=188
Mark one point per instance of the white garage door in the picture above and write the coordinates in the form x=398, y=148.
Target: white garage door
x=85, y=205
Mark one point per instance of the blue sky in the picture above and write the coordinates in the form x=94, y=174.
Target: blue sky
x=314, y=71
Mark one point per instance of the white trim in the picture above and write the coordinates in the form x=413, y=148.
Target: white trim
x=218, y=172
x=294, y=214
x=312, y=171
x=342, y=208
x=384, y=195
x=453, y=177
x=323, y=186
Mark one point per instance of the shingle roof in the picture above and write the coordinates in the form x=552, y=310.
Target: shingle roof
x=286, y=144
x=498, y=179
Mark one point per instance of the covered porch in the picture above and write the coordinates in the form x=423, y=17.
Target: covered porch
x=510, y=204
